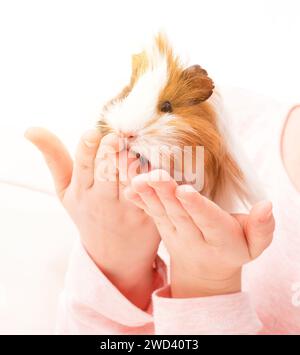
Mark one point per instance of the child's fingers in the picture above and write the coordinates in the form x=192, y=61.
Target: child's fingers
x=154, y=207
x=165, y=187
x=134, y=197
x=106, y=178
x=128, y=166
x=56, y=156
x=83, y=174
x=208, y=217
x=259, y=228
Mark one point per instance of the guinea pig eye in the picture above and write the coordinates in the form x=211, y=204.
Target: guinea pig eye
x=166, y=107
x=143, y=161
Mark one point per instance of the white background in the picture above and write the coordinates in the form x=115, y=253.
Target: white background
x=61, y=59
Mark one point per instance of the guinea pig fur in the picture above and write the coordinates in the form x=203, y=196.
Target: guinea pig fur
x=167, y=104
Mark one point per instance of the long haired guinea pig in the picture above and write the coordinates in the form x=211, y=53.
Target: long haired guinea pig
x=167, y=104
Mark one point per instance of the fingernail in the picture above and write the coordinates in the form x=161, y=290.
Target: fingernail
x=89, y=144
x=27, y=132
x=184, y=189
x=91, y=138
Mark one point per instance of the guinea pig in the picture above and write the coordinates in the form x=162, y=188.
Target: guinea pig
x=169, y=104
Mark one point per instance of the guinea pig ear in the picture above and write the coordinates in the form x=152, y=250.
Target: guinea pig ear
x=199, y=84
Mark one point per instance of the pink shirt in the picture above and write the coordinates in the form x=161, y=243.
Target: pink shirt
x=270, y=301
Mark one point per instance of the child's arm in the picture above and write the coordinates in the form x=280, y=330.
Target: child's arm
x=91, y=304
x=207, y=247
x=109, y=292
x=121, y=239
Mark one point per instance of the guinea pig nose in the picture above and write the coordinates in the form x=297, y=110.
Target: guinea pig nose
x=128, y=135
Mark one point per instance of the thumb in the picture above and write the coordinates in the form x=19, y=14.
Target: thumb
x=56, y=156
x=259, y=228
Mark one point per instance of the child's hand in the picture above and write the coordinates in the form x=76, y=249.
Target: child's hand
x=207, y=245
x=120, y=238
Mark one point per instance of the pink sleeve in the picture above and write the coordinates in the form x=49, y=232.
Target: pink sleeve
x=91, y=304
x=273, y=282
x=274, y=278
x=226, y=314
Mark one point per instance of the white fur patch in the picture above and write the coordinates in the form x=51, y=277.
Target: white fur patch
x=132, y=113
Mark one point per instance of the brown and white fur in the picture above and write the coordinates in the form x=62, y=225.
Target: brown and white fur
x=168, y=104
